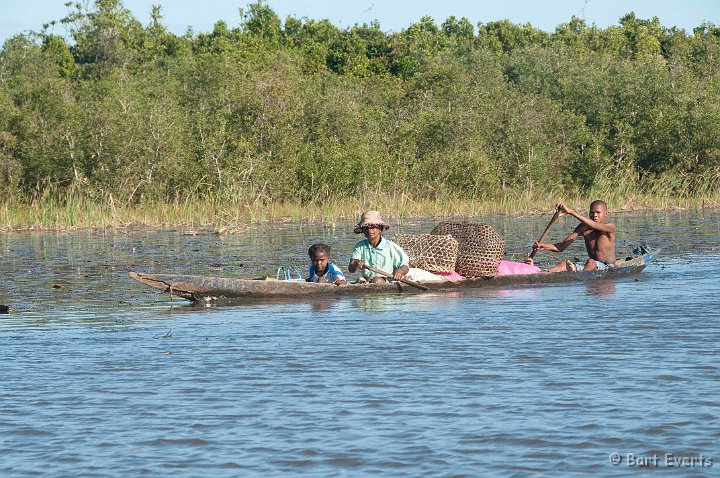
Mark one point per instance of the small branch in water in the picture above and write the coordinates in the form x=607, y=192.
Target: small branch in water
x=166, y=336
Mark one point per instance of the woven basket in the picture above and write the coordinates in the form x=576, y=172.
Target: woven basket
x=431, y=252
x=480, y=248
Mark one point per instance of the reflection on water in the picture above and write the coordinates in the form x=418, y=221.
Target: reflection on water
x=520, y=292
x=320, y=306
x=450, y=302
x=103, y=377
x=601, y=287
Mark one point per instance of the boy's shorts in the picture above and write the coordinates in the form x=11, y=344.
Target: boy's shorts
x=601, y=266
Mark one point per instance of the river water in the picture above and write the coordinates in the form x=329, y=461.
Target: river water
x=101, y=376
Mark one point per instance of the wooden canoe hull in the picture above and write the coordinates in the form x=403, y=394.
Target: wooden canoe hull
x=196, y=288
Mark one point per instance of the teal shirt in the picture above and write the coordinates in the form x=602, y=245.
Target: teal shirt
x=387, y=256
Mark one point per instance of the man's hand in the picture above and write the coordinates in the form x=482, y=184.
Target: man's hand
x=355, y=264
x=400, y=272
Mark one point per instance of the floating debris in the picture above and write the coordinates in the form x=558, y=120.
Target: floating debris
x=166, y=336
x=227, y=231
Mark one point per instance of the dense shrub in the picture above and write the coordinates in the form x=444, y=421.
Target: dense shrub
x=303, y=110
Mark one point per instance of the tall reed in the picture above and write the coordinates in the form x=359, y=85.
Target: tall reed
x=75, y=209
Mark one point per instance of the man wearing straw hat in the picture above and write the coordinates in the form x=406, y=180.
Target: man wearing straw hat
x=376, y=251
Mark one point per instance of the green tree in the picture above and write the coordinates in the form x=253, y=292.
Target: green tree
x=504, y=36
x=57, y=49
x=105, y=38
x=261, y=21
x=643, y=36
x=413, y=48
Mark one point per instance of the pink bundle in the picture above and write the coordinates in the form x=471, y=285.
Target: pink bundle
x=507, y=268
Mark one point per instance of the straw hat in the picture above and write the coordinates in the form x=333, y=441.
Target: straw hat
x=370, y=218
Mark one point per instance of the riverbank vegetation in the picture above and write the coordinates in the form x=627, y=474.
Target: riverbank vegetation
x=119, y=123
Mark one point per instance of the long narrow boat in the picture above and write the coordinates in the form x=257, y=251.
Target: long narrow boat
x=196, y=288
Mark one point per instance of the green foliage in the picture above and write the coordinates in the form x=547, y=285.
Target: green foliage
x=643, y=36
x=105, y=38
x=305, y=111
x=10, y=168
x=413, y=48
x=56, y=48
x=504, y=37
x=262, y=22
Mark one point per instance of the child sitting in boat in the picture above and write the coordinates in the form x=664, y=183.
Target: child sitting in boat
x=321, y=269
x=376, y=251
x=599, y=240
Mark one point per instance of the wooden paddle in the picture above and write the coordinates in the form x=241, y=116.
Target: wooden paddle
x=383, y=273
x=554, y=218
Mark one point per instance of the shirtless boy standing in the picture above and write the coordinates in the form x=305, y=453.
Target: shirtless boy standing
x=599, y=239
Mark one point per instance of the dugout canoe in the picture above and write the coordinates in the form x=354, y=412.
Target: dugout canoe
x=201, y=288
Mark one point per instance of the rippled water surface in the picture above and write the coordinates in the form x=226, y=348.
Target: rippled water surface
x=101, y=376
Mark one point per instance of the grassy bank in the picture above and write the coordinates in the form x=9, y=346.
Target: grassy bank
x=75, y=210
